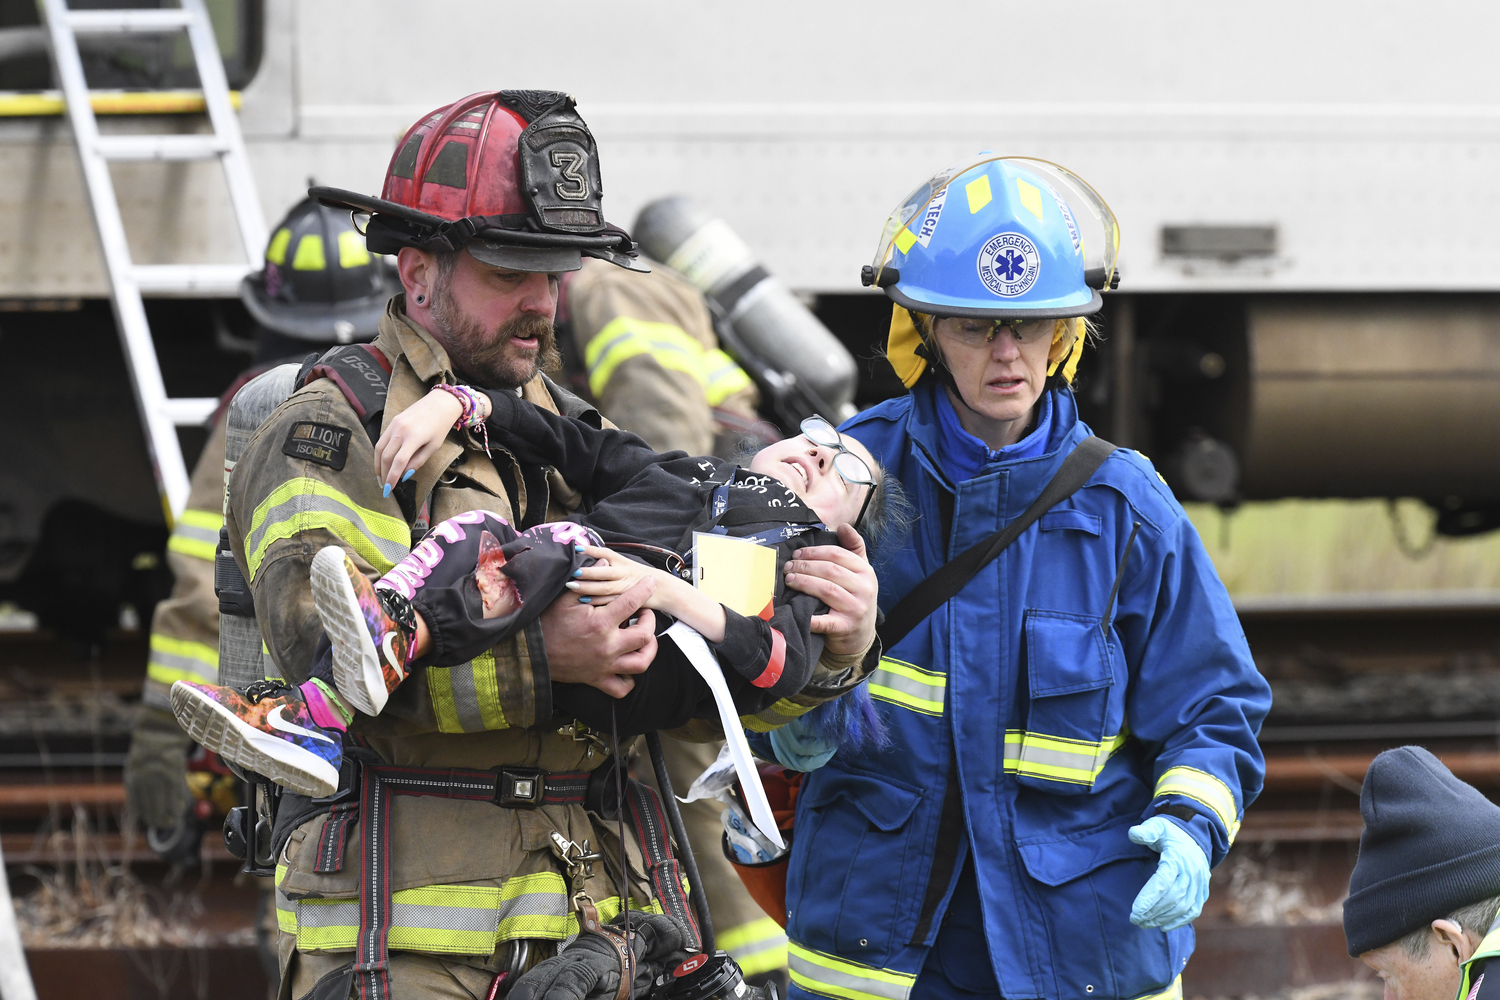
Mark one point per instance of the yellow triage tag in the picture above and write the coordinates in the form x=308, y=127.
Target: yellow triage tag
x=739, y=574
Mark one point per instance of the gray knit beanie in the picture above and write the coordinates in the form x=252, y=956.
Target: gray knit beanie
x=1431, y=845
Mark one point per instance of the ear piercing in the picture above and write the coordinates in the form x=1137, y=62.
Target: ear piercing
x=421, y=299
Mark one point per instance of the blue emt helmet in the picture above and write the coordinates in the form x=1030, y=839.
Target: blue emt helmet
x=997, y=237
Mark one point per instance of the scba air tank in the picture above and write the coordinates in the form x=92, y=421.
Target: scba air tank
x=762, y=312
x=241, y=657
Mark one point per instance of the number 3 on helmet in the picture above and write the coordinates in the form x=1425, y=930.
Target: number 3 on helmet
x=510, y=175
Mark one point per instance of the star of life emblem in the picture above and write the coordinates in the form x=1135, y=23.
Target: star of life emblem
x=1009, y=264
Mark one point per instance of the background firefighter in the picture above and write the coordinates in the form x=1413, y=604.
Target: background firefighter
x=318, y=286
x=655, y=367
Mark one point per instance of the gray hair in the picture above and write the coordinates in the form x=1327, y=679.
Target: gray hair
x=1476, y=917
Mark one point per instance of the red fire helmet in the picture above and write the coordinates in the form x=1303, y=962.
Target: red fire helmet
x=512, y=176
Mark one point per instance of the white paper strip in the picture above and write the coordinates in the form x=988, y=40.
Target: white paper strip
x=703, y=660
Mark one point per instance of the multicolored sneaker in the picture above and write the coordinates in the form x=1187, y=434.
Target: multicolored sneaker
x=267, y=729
x=371, y=630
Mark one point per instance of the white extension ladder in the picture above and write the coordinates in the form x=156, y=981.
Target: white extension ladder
x=128, y=281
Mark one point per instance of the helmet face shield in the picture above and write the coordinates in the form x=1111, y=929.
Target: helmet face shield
x=999, y=236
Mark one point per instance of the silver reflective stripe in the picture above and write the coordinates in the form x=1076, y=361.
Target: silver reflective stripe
x=1081, y=761
x=209, y=536
x=187, y=664
x=466, y=698
x=812, y=975
x=907, y=686
x=318, y=913
x=312, y=503
x=478, y=919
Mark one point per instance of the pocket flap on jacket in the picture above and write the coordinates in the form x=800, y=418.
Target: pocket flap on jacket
x=1076, y=520
x=1054, y=862
x=1065, y=654
x=887, y=806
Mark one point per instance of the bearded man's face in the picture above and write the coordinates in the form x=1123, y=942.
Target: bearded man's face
x=496, y=325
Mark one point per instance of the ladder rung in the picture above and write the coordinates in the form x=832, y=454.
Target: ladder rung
x=159, y=147
x=128, y=21
x=190, y=412
x=213, y=281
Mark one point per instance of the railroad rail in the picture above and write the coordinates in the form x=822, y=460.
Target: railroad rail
x=1353, y=675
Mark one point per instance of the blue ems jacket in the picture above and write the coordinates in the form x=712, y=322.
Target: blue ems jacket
x=1029, y=729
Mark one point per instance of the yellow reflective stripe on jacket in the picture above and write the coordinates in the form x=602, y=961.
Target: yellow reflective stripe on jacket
x=446, y=919
x=173, y=659
x=286, y=909
x=1077, y=762
x=1173, y=992
x=829, y=976
x=466, y=698
x=196, y=534
x=758, y=946
x=1200, y=786
x=1489, y=947
x=909, y=686
x=625, y=337
x=776, y=716
x=722, y=378
x=302, y=504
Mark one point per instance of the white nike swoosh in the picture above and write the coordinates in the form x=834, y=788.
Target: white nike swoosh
x=390, y=654
x=277, y=722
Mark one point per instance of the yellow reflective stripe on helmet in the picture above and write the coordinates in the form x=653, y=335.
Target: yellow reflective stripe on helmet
x=1056, y=758
x=466, y=698
x=1200, y=786
x=352, y=251
x=173, y=659
x=276, y=249
x=909, y=686
x=722, y=377
x=196, y=534
x=758, y=946
x=309, y=255
x=978, y=191
x=828, y=976
x=905, y=239
x=1173, y=992
x=302, y=504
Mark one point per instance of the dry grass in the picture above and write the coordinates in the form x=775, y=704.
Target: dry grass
x=84, y=901
x=1365, y=989
x=1259, y=894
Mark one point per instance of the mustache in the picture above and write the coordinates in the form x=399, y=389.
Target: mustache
x=525, y=327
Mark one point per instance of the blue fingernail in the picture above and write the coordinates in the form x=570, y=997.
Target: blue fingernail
x=578, y=548
x=577, y=573
x=385, y=490
x=585, y=600
x=409, y=474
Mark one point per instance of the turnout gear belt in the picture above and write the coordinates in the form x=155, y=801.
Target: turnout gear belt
x=507, y=787
x=512, y=787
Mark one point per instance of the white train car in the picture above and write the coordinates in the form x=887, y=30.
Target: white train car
x=1307, y=195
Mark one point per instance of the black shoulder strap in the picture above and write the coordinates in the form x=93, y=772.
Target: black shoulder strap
x=362, y=373
x=933, y=592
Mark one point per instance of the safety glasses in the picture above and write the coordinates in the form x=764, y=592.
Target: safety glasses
x=851, y=468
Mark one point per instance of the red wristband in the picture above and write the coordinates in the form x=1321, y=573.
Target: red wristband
x=769, y=676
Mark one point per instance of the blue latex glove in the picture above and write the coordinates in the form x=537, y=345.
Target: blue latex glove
x=799, y=748
x=1176, y=893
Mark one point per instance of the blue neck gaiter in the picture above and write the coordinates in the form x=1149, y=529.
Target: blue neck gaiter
x=965, y=456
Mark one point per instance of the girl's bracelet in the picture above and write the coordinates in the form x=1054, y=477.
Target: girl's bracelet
x=471, y=417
